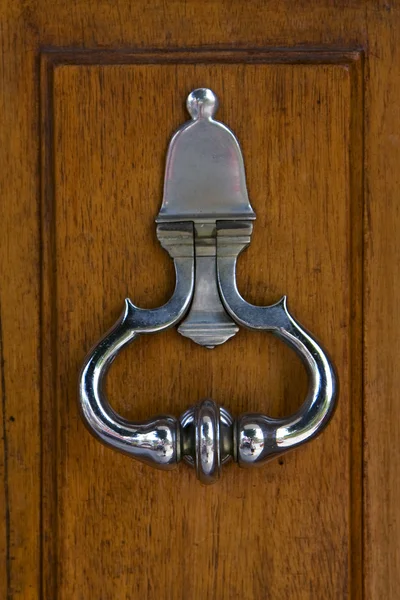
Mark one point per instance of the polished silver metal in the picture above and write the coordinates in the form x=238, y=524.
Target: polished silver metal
x=156, y=441
x=204, y=182
x=204, y=174
x=260, y=437
x=204, y=223
x=207, y=439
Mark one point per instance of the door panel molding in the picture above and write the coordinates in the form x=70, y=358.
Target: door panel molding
x=54, y=63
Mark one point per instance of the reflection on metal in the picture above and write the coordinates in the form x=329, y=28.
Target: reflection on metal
x=204, y=183
x=205, y=221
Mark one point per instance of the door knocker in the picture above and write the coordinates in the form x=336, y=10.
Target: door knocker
x=205, y=221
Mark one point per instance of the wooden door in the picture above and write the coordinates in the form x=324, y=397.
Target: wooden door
x=90, y=94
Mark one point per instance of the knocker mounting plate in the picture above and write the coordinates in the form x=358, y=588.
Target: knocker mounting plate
x=205, y=221
x=205, y=184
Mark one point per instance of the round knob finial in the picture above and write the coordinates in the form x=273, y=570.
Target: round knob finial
x=202, y=103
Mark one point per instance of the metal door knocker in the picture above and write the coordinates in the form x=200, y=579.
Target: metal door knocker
x=204, y=223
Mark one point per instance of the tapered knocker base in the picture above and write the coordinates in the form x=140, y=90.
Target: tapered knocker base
x=204, y=223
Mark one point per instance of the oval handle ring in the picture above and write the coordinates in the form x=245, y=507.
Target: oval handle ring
x=204, y=223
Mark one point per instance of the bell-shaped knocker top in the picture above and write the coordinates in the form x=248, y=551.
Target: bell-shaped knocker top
x=204, y=174
x=204, y=223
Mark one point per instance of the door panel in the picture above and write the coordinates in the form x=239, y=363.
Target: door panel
x=90, y=96
x=156, y=533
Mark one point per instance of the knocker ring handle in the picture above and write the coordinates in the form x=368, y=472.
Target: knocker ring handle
x=204, y=223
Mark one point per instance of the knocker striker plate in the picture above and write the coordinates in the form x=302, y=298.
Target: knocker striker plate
x=204, y=223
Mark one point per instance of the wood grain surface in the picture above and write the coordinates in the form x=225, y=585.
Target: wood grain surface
x=90, y=96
